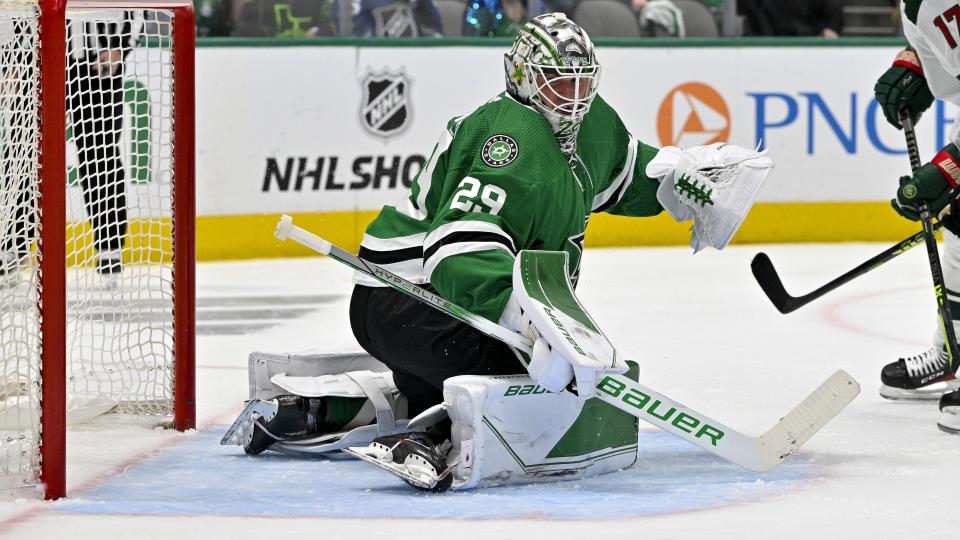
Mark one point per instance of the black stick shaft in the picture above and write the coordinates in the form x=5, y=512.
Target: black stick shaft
x=933, y=255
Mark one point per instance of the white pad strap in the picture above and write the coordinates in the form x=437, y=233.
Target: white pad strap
x=384, y=412
x=378, y=388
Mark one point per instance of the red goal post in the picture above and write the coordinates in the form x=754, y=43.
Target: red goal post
x=105, y=289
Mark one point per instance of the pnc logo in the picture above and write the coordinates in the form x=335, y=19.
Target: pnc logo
x=692, y=114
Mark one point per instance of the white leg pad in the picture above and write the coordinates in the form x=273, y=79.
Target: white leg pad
x=509, y=430
x=263, y=366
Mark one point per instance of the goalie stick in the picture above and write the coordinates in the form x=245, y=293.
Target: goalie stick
x=933, y=257
x=771, y=284
x=754, y=453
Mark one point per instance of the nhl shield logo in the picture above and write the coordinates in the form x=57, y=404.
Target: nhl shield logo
x=385, y=110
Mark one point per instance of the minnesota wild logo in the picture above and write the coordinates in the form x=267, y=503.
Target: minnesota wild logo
x=499, y=150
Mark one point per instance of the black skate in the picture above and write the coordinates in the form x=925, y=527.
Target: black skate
x=925, y=376
x=418, y=458
x=264, y=423
x=949, y=421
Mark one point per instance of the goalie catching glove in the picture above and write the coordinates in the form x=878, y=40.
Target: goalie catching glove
x=568, y=345
x=715, y=185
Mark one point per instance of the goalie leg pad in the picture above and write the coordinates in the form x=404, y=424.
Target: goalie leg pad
x=263, y=366
x=383, y=409
x=509, y=430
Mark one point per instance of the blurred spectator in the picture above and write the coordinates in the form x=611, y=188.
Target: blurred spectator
x=494, y=18
x=214, y=18
x=285, y=18
x=396, y=18
x=822, y=18
x=658, y=18
x=566, y=7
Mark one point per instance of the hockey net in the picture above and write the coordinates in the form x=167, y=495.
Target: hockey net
x=120, y=169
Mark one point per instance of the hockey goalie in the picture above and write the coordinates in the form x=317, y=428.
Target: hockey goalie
x=435, y=401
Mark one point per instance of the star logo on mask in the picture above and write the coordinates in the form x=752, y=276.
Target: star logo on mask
x=518, y=74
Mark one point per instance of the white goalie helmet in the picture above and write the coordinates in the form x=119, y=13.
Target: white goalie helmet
x=552, y=67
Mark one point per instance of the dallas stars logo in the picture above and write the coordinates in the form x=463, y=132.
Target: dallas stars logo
x=499, y=150
x=518, y=74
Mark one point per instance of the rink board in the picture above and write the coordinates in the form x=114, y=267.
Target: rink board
x=199, y=477
x=307, y=129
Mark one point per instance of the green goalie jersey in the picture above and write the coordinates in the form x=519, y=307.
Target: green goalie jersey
x=497, y=183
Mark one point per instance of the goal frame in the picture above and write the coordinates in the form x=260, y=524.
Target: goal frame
x=52, y=221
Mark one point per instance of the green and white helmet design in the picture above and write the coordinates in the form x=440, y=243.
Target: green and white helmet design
x=552, y=67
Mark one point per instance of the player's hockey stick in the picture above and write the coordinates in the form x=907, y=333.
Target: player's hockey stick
x=755, y=453
x=769, y=280
x=933, y=256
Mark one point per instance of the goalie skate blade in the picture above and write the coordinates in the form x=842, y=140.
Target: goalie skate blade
x=414, y=476
x=241, y=427
x=926, y=393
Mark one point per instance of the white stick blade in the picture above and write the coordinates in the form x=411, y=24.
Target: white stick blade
x=807, y=418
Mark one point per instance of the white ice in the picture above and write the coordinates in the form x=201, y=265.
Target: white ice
x=703, y=333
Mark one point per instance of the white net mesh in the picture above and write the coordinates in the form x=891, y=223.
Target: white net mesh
x=119, y=221
x=19, y=211
x=119, y=283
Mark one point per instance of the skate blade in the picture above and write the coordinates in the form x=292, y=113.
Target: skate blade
x=926, y=393
x=365, y=453
x=949, y=421
x=238, y=432
x=949, y=429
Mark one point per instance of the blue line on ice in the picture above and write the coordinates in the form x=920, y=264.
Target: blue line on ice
x=199, y=477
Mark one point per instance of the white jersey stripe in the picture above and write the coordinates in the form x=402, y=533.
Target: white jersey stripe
x=465, y=226
x=456, y=249
x=623, y=180
x=391, y=244
x=425, y=180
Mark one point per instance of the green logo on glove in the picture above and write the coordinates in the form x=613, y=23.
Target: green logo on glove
x=910, y=191
x=694, y=190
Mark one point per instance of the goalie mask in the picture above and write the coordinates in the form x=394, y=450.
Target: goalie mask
x=553, y=68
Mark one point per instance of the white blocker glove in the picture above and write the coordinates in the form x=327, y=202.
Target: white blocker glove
x=715, y=185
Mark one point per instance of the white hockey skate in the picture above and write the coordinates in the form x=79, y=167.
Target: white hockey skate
x=926, y=376
x=949, y=421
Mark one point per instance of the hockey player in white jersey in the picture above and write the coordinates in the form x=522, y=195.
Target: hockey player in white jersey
x=929, y=68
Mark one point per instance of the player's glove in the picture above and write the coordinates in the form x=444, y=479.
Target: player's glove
x=903, y=85
x=931, y=183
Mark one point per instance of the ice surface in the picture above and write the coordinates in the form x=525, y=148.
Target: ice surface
x=703, y=333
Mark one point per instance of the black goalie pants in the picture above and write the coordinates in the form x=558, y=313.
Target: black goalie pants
x=422, y=346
